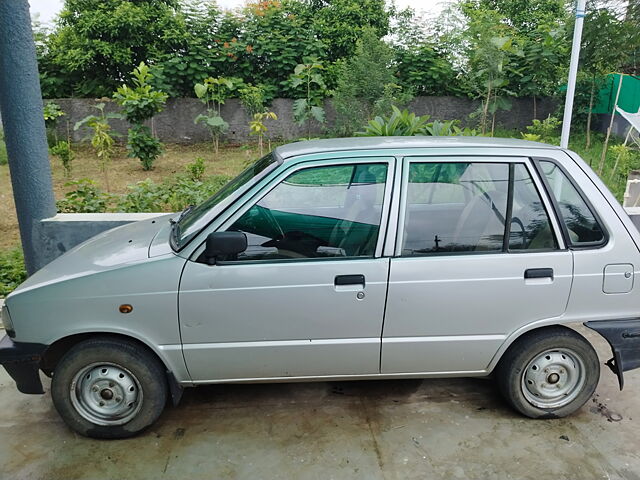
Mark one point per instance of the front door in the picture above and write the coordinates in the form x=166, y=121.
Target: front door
x=477, y=257
x=307, y=296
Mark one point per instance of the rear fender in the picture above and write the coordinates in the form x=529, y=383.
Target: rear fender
x=624, y=339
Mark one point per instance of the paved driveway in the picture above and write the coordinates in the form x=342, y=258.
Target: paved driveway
x=399, y=429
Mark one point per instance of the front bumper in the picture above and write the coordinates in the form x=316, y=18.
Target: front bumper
x=624, y=338
x=22, y=363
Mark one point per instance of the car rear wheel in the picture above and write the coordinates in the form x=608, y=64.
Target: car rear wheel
x=109, y=388
x=549, y=373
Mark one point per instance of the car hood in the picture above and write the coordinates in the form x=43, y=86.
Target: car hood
x=106, y=251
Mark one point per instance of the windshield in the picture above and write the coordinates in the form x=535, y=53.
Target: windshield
x=196, y=218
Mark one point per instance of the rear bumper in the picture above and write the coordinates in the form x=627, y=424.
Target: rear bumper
x=22, y=363
x=624, y=338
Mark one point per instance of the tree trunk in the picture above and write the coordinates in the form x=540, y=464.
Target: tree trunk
x=485, y=110
x=593, y=90
x=606, y=140
x=535, y=107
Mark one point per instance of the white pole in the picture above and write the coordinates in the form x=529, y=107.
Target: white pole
x=573, y=72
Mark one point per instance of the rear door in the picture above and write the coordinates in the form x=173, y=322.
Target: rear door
x=476, y=257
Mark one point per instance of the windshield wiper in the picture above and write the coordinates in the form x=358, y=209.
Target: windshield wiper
x=186, y=210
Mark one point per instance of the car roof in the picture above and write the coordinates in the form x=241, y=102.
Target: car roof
x=374, y=143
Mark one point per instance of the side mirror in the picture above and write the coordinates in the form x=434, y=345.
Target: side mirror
x=224, y=243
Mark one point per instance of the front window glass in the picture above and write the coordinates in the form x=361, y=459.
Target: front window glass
x=581, y=223
x=198, y=217
x=455, y=207
x=331, y=211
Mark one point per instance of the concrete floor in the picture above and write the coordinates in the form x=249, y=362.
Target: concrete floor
x=400, y=429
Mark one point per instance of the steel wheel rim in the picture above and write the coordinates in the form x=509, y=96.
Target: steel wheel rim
x=553, y=378
x=106, y=394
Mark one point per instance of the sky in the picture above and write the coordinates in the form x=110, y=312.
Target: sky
x=48, y=9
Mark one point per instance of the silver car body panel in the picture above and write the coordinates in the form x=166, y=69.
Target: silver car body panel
x=287, y=321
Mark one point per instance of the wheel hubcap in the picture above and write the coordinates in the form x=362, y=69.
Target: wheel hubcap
x=553, y=378
x=106, y=394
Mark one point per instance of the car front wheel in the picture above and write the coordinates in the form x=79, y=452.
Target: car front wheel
x=549, y=373
x=109, y=388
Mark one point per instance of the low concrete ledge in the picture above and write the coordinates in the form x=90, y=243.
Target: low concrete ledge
x=66, y=230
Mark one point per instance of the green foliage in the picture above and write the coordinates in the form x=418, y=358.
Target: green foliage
x=175, y=195
x=213, y=92
x=366, y=84
x=399, y=123
x=63, y=151
x=12, y=271
x=51, y=113
x=257, y=127
x=545, y=130
x=307, y=75
x=94, y=44
x=4, y=159
x=86, y=197
x=195, y=170
x=253, y=98
x=139, y=104
x=143, y=196
x=141, y=144
x=102, y=138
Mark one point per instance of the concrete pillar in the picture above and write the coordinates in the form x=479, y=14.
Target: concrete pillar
x=23, y=122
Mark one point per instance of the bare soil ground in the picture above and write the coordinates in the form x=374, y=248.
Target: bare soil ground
x=123, y=171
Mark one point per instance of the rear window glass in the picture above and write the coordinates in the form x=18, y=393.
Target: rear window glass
x=582, y=227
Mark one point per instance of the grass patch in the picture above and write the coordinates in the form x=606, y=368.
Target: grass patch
x=4, y=160
x=12, y=272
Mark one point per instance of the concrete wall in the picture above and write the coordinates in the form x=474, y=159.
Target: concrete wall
x=66, y=230
x=175, y=124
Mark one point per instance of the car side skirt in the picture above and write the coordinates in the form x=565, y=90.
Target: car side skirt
x=328, y=378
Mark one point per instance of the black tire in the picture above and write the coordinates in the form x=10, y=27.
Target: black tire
x=554, y=348
x=123, y=360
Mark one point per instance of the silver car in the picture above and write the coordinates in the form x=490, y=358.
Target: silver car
x=371, y=258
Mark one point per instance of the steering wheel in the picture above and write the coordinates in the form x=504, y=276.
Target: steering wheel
x=517, y=221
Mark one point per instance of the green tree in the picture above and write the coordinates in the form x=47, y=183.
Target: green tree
x=310, y=107
x=213, y=92
x=540, y=70
x=365, y=81
x=491, y=47
x=101, y=137
x=139, y=104
x=96, y=43
x=339, y=24
x=604, y=50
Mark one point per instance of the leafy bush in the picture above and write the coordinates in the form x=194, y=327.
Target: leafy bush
x=143, y=196
x=63, y=151
x=196, y=169
x=139, y=104
x=546, y=130
x=399, y=123
x=85, y=198
x=12, y=271
x=141, y=144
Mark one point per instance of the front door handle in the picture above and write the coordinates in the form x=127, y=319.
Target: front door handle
x=539, y=273
x=349, y=280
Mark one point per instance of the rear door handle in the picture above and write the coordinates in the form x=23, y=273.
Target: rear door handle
x=539, y=273
x=349, y=280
